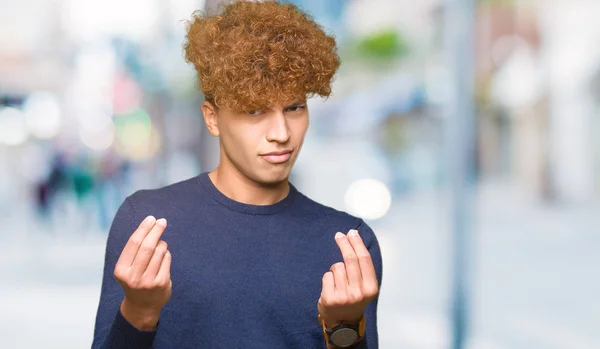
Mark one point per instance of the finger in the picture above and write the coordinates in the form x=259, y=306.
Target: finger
x=164, y=273
x=135, y=241
x=156, y=260
x=142, y=258
x=350, y=260
x=328, y=285
x=339, y=277
x=365, y=261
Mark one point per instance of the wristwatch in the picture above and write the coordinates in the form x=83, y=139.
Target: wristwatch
x=344, y=335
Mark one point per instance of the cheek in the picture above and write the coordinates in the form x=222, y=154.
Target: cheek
x=299, y=127
x=243, y=140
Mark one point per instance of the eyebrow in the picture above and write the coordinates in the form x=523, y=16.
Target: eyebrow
x=292, y=104
x=297, y=102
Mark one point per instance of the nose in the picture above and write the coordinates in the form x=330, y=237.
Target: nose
x=278, y=128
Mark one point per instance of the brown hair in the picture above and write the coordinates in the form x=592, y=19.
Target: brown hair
x=255, y=54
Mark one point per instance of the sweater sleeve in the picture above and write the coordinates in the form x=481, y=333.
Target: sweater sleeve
x=112, y=330
x=371, y=340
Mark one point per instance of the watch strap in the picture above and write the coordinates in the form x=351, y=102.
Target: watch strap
x=326, y=331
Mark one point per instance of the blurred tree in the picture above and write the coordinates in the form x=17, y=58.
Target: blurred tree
x=384, y=45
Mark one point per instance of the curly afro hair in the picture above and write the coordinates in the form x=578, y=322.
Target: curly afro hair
x=255, y=54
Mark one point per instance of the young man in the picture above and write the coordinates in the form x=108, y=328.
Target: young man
x=247, y=261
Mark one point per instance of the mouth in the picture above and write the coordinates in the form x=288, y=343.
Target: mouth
x=277, y=157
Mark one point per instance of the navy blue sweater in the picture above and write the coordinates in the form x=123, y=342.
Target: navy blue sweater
x=244, y=276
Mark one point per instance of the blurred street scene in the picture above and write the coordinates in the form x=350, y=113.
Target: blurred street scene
x=97, y=102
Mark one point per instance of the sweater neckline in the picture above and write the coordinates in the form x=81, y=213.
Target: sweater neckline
x=207, y=184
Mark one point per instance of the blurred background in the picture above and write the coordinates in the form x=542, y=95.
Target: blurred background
x=96, y=102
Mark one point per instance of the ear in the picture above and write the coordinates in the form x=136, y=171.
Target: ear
x=210, y=118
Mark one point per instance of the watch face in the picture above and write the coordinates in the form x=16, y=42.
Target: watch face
x=344, y=337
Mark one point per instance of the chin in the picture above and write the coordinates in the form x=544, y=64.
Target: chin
x=272, y=178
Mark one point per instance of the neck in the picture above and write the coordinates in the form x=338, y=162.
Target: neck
x=236, y=186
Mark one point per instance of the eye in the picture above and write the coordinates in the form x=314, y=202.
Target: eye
x=256, y=112
x=294, y=108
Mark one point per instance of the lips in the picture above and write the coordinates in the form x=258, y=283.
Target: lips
x=277, y=157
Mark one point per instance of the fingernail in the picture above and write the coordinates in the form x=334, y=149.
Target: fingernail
x=162, y=222
x=339, y=235
x=352, y=232
x=149, y=220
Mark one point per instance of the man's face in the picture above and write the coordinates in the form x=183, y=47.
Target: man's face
x=264, y=144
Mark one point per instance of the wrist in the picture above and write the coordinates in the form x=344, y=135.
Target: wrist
x=142, y=318
x=331, y=322
x=342, y=334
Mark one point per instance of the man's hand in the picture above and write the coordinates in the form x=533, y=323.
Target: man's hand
x=144, y=272
x=349, y=286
